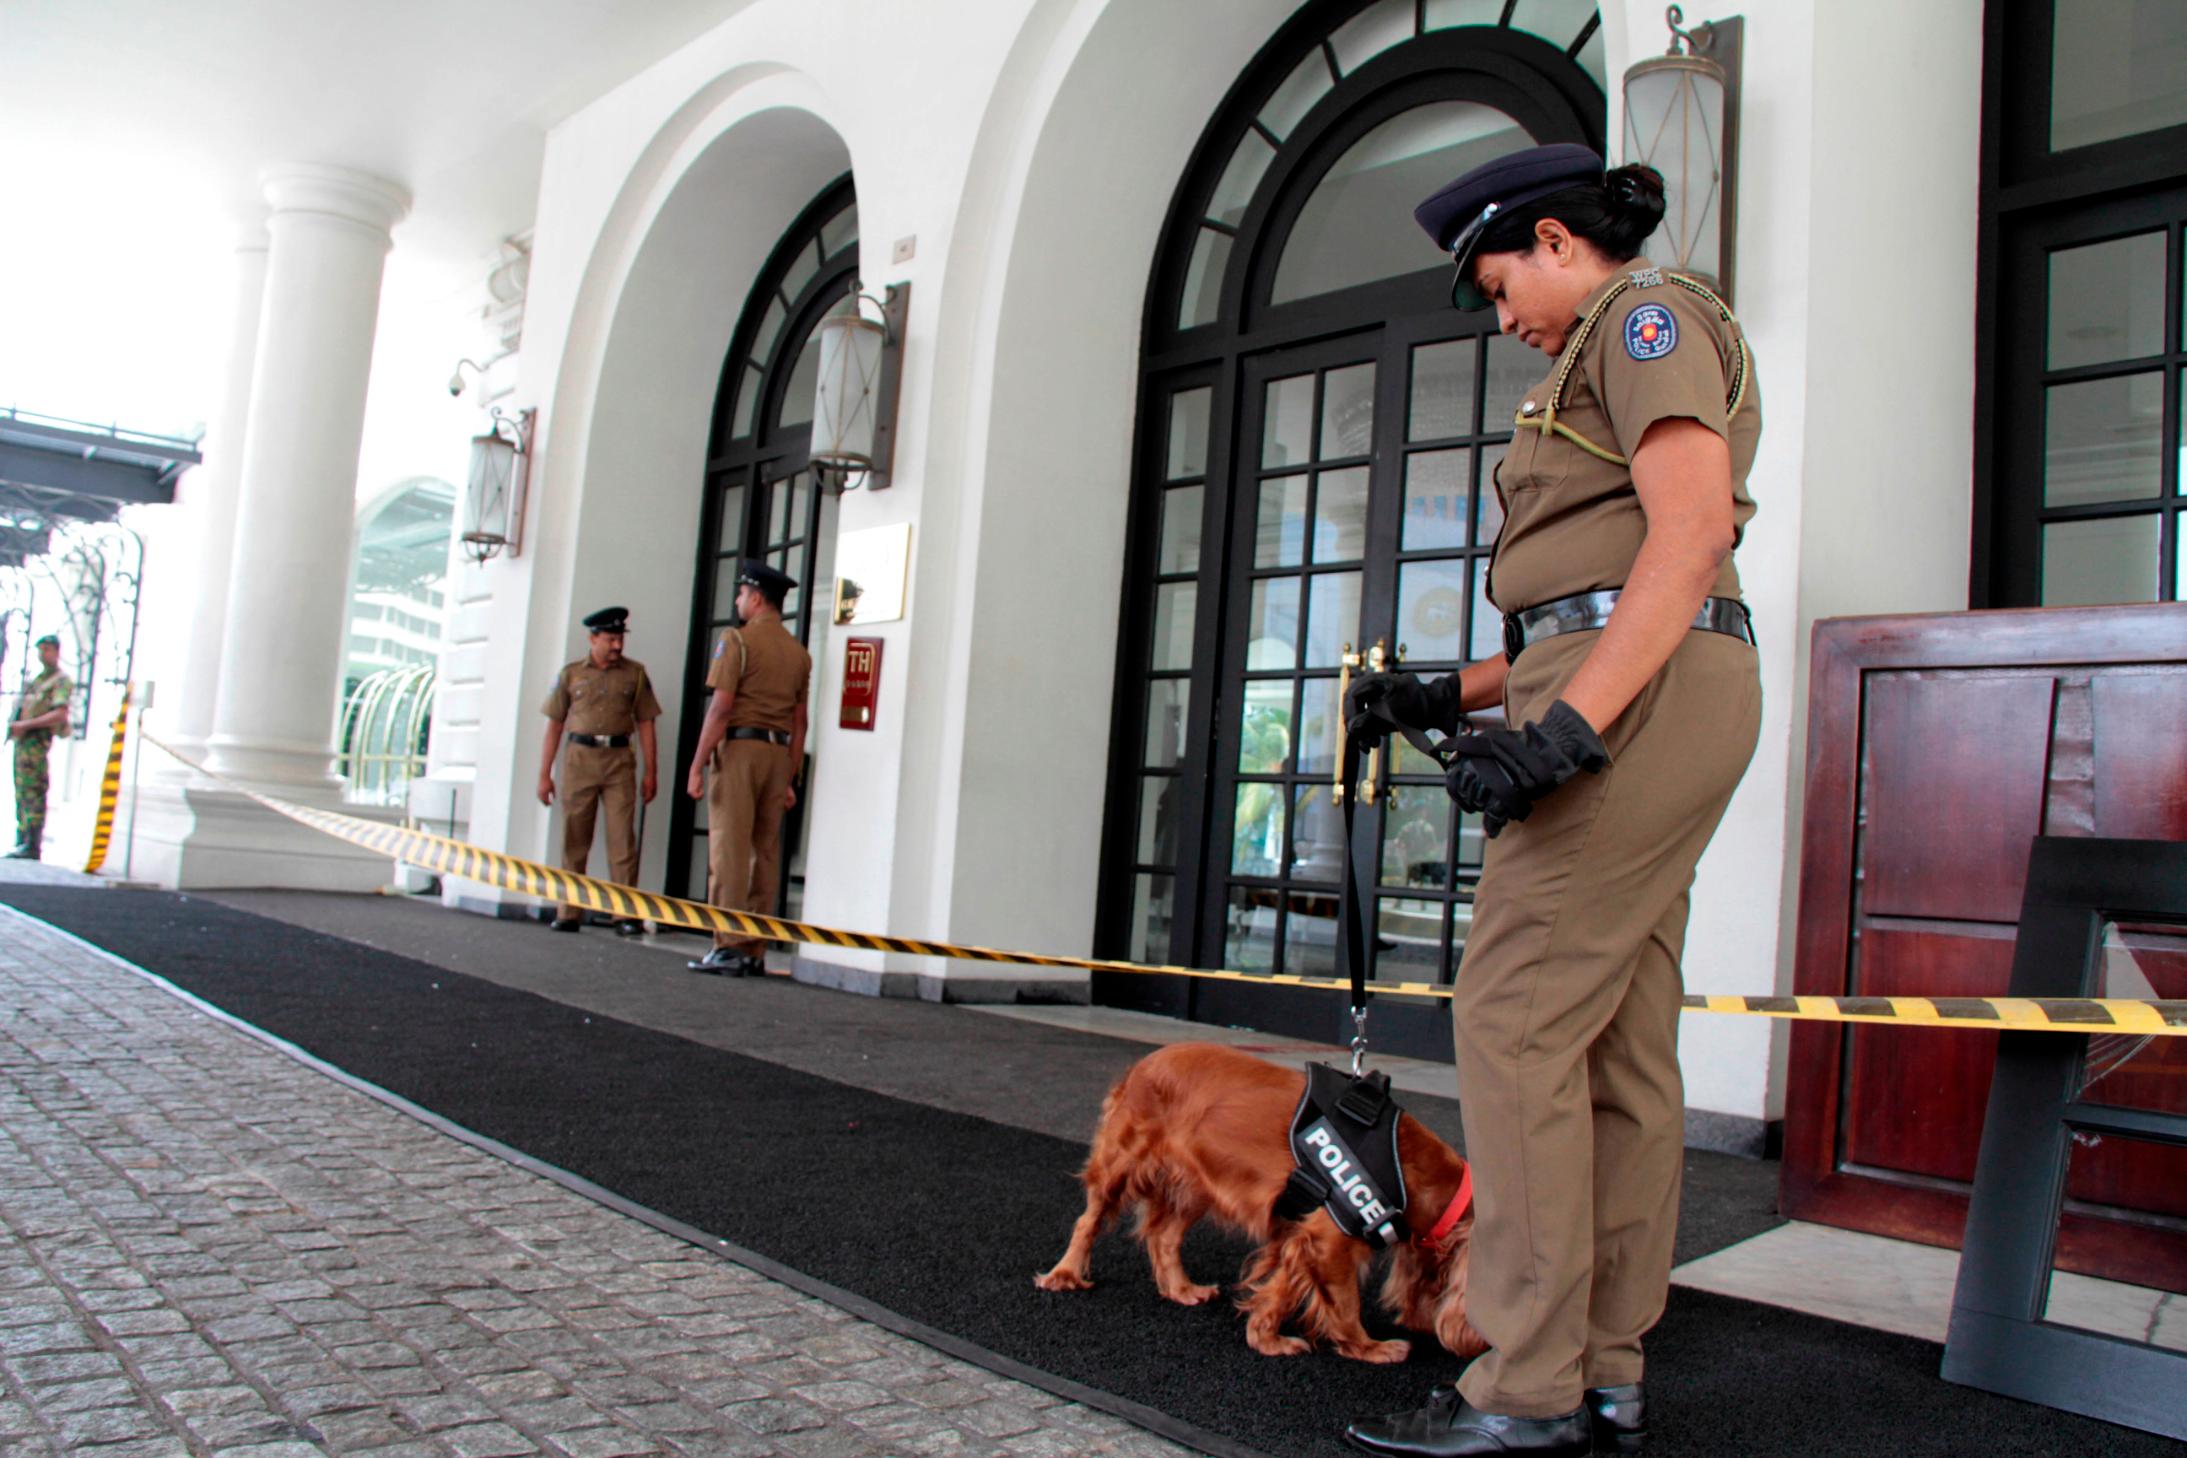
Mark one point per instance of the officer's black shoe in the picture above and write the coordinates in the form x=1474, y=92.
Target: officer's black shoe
x=1619, y=1418
x=754, y=967
x=721, y=962
x=630, y=928
x=564, y=924
x=22, y=852
x=1451, y=1427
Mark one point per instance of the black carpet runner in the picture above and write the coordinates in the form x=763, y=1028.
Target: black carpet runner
x=944, y=1218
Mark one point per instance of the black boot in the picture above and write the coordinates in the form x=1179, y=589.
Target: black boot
x=1619, y=1418
x=1451, y=1427
x=30, y=848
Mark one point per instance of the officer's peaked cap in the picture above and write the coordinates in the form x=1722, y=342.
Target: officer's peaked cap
x=1456, y=215
x=53, y=638
x=771, y=583
x=609, y=620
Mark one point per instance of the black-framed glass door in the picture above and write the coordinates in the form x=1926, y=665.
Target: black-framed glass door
x=762, y=498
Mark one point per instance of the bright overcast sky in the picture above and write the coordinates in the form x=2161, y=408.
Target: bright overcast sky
x=116, y=297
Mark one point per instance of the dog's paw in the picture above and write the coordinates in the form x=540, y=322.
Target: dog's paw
x=1278, y=1346
x=1191, y=1295
x=1380, y=1353
x=1060, y=1279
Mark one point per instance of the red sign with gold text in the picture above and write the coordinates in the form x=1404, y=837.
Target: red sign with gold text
x=861, y=682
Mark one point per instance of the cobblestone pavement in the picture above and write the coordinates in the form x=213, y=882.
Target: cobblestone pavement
x=207, y=1248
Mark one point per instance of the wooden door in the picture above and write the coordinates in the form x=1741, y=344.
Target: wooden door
x=1938, y=747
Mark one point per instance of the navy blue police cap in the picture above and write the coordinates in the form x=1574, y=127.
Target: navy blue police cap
x=772, y=584
x=609, y=620
x=1458, y=214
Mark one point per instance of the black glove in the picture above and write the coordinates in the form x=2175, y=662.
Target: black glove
x=1376, y=703
x=1500, y=773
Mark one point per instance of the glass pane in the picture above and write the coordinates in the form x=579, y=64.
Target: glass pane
x=778, y=511
x=1594, y=59
x=840, y=231
x=2140, y=1175
x=1555, y=21
x=1472, y=844
x=1188, y=432
x=1443, y=14
x=2100, y=440
x=1340, y=515
x=770, y=325
x=1347, y=412
x=1513, y=369
x=1416, y=837
x=1272, y=628
x=1287, y=421
x=1153, y=898
x=1371, y=32
x=1310, y=936
x=801, y=498
x=1249, y=931
x=2145, y=960
x=1158, y=810
x=747, y=401
x=1168, y=699
x=1180, y=529
x=724, y=602
x=2118, y=68
x=797, y=394
x=1487, y=636
x=1411, y=947
x=800, y=272
x=1317, y=727
x=1279, y=532
x=1438, y=500
x=1240, y=176
x=732, y=519
x=1357, y=227
x=1431, y=610
x=2107, y=301
x=1332, y=619
x=1256, y=835
x=1308, y=82
x=1204, y=279
x=2107, y=561
x=1491, y=523
x=1442, y=390
x=1264, y=727
x=1174, y=604
x=1317, y=835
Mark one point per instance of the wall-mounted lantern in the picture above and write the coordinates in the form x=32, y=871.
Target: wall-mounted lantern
x=493, y=497
x=854, y=401
x=1682, y=118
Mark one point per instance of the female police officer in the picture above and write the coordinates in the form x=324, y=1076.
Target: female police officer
x=1631, y=701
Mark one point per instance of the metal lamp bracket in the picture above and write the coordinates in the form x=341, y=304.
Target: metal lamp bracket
x=895, y=307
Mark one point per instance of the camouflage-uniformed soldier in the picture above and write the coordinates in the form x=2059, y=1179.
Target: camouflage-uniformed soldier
x=599, y=704
x=754, y=740
x=1632, y=698
x=42, y=713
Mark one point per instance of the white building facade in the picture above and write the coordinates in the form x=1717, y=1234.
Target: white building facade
x=1150, y=245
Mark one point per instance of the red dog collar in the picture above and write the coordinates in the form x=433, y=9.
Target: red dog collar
x=1452, y=1213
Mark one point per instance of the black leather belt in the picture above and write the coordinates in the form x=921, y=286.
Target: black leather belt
x=602, y=741
x=772, y=736
x=1587, y=610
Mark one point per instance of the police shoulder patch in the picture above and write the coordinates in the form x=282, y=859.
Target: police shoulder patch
x=1650, y=332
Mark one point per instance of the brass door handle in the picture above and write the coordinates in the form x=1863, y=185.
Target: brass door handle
x=1373, y=660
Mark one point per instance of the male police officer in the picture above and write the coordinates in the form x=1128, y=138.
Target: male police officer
x=42, y=713
x=601, y=700
x=756, y=720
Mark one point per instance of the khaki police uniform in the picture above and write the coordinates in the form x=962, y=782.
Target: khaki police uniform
x=1566, y=1005
x=768, y=671
x=600, y=703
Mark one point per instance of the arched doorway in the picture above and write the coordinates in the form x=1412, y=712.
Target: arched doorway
x=761, y=498
x=1318, y=432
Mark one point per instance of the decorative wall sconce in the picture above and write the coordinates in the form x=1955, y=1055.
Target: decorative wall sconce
x=1682, y=118
x=854, y=401
x=493, y=497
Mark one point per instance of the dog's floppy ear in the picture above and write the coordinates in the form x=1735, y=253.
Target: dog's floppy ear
x=1451, y=1327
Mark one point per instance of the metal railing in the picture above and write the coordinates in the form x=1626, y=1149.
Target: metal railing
x=385, y=721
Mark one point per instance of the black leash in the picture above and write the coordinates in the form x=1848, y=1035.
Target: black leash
x=1352, y=916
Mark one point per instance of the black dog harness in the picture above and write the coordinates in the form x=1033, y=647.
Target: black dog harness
x=1344, y=1149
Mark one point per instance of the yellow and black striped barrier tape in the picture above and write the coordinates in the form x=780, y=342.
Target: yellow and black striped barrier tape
x=102, y=830
x=447, y=857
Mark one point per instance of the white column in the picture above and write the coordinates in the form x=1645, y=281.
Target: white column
x=282, y=649
x=213, y=491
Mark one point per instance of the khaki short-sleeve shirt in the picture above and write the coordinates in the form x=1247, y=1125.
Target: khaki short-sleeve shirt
x=766, y=668
x=591, y=700
x=1655, y=351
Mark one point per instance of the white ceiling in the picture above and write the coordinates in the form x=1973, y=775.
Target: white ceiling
x=452, y=99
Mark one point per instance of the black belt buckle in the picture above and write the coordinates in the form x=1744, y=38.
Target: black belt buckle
x=1514, y=638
